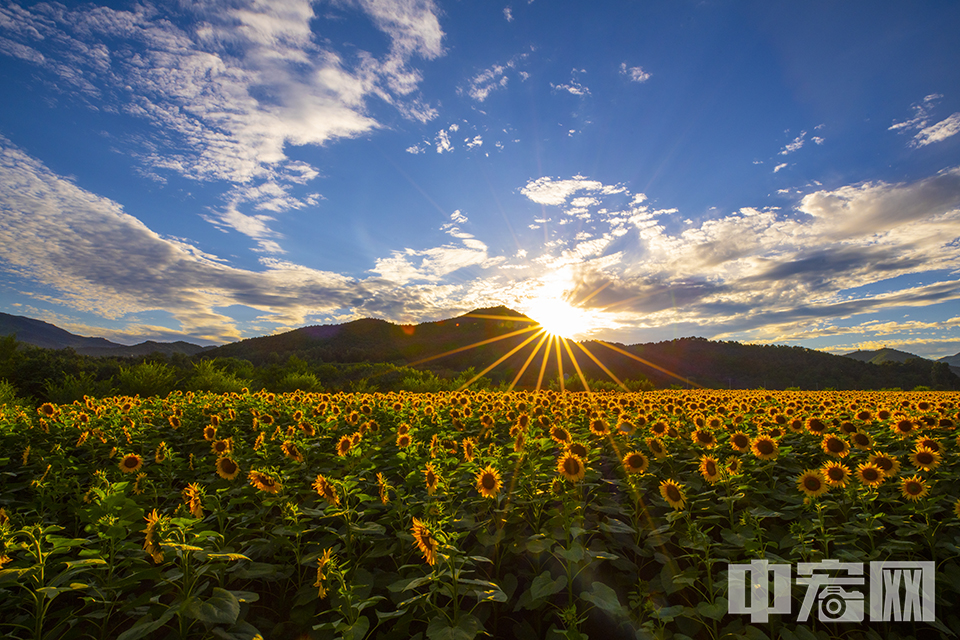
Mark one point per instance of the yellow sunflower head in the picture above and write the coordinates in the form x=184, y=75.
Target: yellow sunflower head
x=836, y=474
x=130, y=463
x=812, y=483
x=635, y=462
x=913, y=488
x=488, y=482
x=870, y=475
x=672, y=492
x=925, y=458
x=710, y=469
x=431, y=478
x=835, y=446
x=765, y=448
x=344, y=446
x=571, y=467
x=227, y=468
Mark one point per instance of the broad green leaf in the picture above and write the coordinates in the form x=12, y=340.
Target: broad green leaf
x=714, y=611
x=544, y=586
x=603, y=596
x=220, y=608
x=466, y=628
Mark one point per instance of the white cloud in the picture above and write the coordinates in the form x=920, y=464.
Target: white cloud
x=777, y=168
x=555, y=192
x=636, y=74
x=795, y=145
x=415, y=149
x=227, y=98
x=508, y=14
x=443, y=141
x=477, y=141
x=939, y=131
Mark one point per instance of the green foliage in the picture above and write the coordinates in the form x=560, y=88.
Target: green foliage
x=207, y=376
x=146, y=379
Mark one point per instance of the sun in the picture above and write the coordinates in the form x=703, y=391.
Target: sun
x=559, y=318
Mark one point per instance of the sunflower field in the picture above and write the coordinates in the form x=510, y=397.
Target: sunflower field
x=456, y=515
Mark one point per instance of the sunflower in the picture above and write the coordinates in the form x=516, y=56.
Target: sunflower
x=888, y=464
x=150, y=544
x=161, y=453
x=291, y=450
x=469, y=451
x=210, y=433
x=384, y=488
x=424, y=540
x=835, y=446
x=956, y=508
x=812, y=483
x=130, y=463
x=326, y=490
x=599, y=427
x=263, y=481
x=765, y=448
x=431, y=477
x=710, y=469
x=740, y=441
x=861, y=440
x=836, y=474
x=924, y=458
x=704, y=438
x=657, y=448
x=322, y=563
x=403, y=428
x=930, y=443
x=47, y=410
x=673, y=494
x=344, y=446
x=488, y=482
x=571, y=466
x=308, y=429
x=221, y=447
x=913, y=488
x=816, y=426
x=559, y=435
x=635, y=462
x=658, y=428
x=192, y=495
x=733, y=464
x=578, y=449
x=227, y=468
x=870, y=474
x=403, y=440
x=904, y=427
x=174, y=422
x=626, y=427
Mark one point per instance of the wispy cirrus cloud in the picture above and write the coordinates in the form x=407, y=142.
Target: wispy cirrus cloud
x=228, y=95
x=920, y=122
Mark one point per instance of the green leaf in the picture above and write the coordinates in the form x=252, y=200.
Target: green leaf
x=466, y=628
x=714, y=611
x=220, y=608
x=667, y=614
x=356, y=631
x=71, y=564
x=242, y=630
x=616, y=526
x=147, y=625
x=603, y=597
x=544, y=586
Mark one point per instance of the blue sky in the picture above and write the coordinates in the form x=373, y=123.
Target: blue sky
x=756, y=171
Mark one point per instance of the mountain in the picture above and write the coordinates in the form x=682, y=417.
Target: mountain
x=879, y=356
x=953, y=361
x=485, y=336
x=48, y=336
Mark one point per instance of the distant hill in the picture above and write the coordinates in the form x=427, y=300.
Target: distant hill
x=48, y=336
x=953, y=361
x=502, y=337
x=878, y=356
x=480, y=338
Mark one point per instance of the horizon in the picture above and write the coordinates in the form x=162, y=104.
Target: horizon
x=468, y=314
x=739, y=172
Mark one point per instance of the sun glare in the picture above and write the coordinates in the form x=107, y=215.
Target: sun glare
x=559, y=318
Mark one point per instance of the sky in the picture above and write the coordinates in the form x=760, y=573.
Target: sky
x=764, y=172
